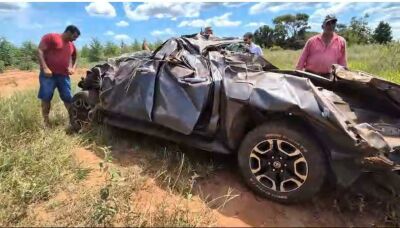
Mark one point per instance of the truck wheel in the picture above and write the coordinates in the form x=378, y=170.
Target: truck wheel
x=280, y=161
x=80, y=111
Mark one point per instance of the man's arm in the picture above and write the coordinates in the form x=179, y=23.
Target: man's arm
x=41, y=49
x=260, y=52
x=343, y=58
x=74, y=62
x=145, y=46
x=303, y=57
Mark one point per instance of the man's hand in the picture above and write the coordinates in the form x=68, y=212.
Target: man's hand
x=47, y=72
x=71, y=70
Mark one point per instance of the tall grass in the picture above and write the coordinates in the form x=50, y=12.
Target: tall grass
x=32, y=161
x=36, y=164
x=380, y=60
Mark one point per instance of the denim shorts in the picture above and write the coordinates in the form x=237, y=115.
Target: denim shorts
x=49, y=84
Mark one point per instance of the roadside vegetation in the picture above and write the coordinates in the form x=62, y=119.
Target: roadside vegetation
x=289, y=32
x=45, y=183
x=24, y=57
x=32, y=162
x=111, y=177
x=379, y=59
x=41, y=171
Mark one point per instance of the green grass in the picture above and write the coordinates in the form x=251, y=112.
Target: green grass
x=32, y=161
x=36, y=164
x=380, y=60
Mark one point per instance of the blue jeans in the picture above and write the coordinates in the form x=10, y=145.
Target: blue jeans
x=49, y=84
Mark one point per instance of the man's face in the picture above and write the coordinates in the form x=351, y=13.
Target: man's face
x=208, y=32
x=247, y=40
x=329, y=26
x=72, y=36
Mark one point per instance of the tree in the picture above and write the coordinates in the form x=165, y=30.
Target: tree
x=295, y=25
x=28, y=52
x=27, y=56
x=308, y=35
x=124, y=47
x=111, y=49
x=341, y=28
x=84, y=53
x=8, y=53
x=290, y=30
x=96, y=52
x=136, y=46
x=357, y=32
x=280, y=35
x=2, y=66
x=382, y=33
x=264, y=36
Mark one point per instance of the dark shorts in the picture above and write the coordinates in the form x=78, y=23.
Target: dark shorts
x=49, y=84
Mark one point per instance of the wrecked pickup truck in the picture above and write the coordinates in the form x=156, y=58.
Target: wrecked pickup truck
x=290, y=130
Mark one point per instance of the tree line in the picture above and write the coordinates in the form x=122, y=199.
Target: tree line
x=96, y=51
x=24, y=57
x=291, y=31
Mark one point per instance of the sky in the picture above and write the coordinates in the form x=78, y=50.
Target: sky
x=125, y=21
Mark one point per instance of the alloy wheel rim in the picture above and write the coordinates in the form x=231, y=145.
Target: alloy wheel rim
x=278, y=165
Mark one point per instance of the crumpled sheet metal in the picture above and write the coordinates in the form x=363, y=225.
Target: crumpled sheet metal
x=130, y=91
x=342, y=73
x=392, y=89
x=170, y=93
x=173, y=86
x=275, y=92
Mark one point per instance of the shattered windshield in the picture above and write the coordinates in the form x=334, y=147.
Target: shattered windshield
x=236, y=47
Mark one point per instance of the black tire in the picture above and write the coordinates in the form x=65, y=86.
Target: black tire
x=288, y=177
x=80, y=108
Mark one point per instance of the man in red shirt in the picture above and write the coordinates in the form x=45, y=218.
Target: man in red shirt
x=323, y=50
x=57, y=58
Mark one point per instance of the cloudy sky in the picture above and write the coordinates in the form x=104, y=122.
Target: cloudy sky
x=118, y=21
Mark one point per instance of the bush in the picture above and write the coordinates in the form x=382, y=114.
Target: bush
x=275, y=48
x=8, y=52
x=83, y=62
x=2, y=66
x=26, y=65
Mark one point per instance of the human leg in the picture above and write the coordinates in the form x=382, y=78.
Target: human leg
x=46, y=91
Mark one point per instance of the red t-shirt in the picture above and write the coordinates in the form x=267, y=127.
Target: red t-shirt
x=58, y=53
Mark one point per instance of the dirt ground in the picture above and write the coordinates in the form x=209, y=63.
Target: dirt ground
x=245, y=209
x=15, y=80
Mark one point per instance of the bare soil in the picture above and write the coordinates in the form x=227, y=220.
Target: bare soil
x=245, y=209
x=15, y=80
